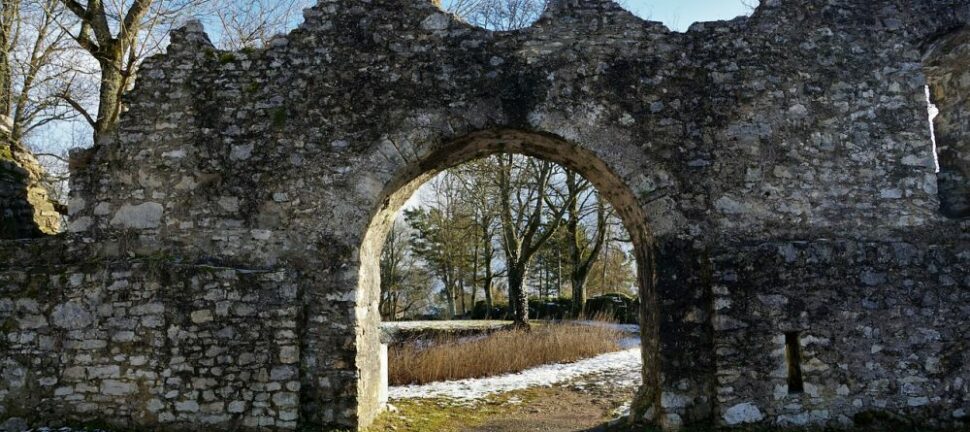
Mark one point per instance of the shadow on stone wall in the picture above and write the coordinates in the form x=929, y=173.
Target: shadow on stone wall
x=26, y=209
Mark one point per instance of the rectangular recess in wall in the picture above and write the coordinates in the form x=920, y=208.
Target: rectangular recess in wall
x=793, y=354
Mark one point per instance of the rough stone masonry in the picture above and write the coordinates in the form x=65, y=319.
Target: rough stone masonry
x=802, y=261
x=25, y=209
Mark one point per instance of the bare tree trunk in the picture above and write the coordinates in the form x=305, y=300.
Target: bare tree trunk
x=487, y=286
x=513, y=306
x=112, y=37
x=109, y=98
x=523, y=234
x=474, y=298
x=517, y=296
x=577, y=280
x=394, y=299
x=579, y=297
x=488, y=252
x=475, y=276
x=461, y=293
x=452, y=307
x=582, y=257
x=385, y=304
x=9, y=14
x=558, y=272
x=540, y=286
x=450, y=295
x=605, y=286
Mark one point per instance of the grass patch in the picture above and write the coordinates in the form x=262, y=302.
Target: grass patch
x=446, y=415
x=452, y=358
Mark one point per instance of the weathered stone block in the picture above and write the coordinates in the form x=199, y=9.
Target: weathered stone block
x=141, y=216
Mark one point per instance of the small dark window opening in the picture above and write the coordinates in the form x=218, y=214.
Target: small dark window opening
x=793, y=354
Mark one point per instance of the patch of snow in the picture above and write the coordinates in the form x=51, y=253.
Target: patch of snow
x=622, y=411
x=630, y=342
x=626, y=363
x=626, y=328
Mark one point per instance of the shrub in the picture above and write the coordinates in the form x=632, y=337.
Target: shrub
x=500, y=310
x=543, y=309
x=507, y=351
x=551, y=309
x=620, y=307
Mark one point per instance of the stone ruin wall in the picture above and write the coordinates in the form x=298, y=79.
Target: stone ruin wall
x=26, y=210
x=144, y=343
x=212, y=277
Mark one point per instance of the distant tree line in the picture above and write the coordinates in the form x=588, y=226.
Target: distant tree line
x=505, y=226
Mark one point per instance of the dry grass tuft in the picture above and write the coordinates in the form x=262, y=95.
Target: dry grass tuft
x=507, y=351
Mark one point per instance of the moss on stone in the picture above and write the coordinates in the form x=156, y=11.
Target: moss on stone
x=8, y=326
x=278, y=117
x=33, y=288
x=227, y=57
x=252, y=88
x=5, y=152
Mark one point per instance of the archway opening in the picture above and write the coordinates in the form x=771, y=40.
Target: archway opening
x=502, y=225
x=372, y=354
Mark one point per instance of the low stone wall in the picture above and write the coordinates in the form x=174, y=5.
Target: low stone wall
x=149, y=342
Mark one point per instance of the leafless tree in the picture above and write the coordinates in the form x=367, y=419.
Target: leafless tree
x=442, y=238
x=251, y=24
x=65, y=64
x=39, y=72
x=501, y=15
x=37, y=66
x=529, y=218
x=404, y=285
x=584, y=247
x=480, y=191
x=9, y=21
x=118, y=35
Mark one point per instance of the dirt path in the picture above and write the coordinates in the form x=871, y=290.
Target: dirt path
x=585, y=404
x=560, y=409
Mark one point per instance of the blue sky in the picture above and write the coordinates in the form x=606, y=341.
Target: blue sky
x=678, y=15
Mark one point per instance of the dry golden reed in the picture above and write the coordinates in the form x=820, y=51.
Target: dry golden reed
x=506, y=351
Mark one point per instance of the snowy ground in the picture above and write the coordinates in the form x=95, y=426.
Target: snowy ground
x=628, y=328
x=618, y=369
